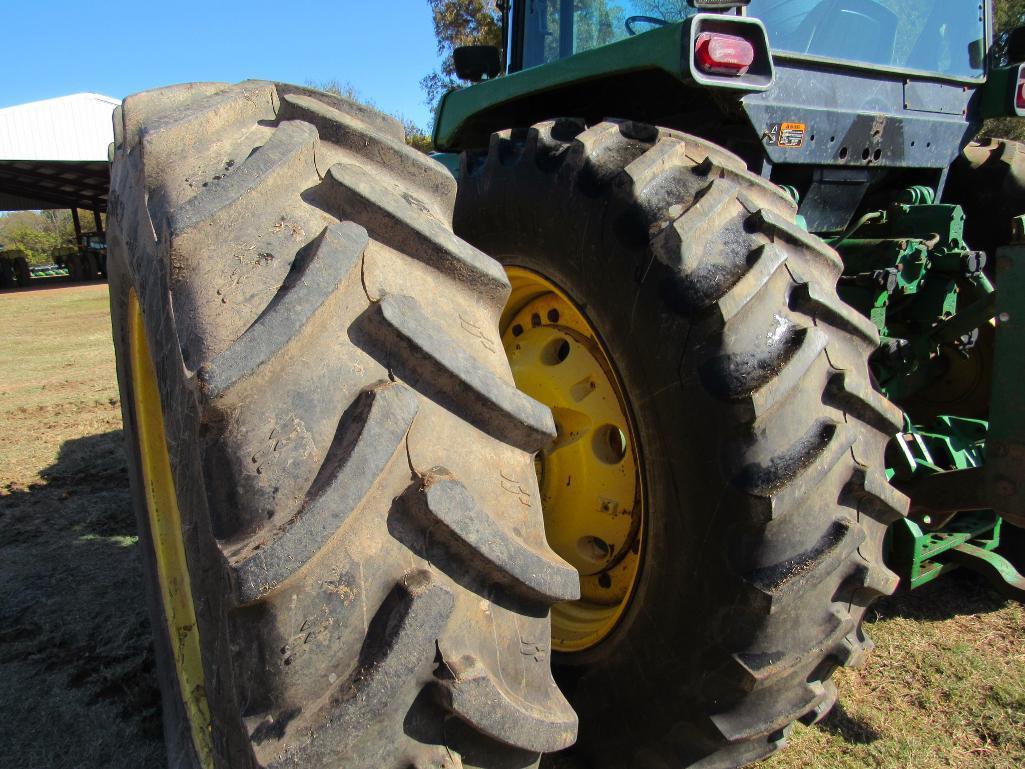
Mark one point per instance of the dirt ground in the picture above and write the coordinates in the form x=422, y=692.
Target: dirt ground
x=78, y=685
x=945, y=688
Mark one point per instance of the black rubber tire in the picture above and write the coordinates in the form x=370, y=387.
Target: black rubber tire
x=76, y=270
x=88, y=273
x=352, y=462
x=761, y=438
x=1012, y=545
x=22, y=273
x=988, y=180
x=7, y=275
x=92, y=266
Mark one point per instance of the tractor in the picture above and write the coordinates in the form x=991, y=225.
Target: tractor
x=14, y=269
x=606, y=423
x=87, y=259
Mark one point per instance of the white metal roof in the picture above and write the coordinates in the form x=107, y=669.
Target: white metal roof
x=69, y=128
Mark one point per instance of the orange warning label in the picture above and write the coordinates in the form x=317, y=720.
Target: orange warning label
x=791, y=135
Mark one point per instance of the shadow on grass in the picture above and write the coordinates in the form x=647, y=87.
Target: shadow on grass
x=44, y=284
x=953, y=594
x=850, y=729
x=79, y=687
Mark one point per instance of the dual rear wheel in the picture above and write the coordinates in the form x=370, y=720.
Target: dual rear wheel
x=368, y=539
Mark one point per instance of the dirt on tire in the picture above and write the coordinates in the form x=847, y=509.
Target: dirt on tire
x=351, y=459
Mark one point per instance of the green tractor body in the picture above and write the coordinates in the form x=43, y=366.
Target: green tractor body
x=859, y=110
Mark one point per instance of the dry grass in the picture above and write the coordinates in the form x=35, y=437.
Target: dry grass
x=56, y=372
x=945, y=688
x=78, y=683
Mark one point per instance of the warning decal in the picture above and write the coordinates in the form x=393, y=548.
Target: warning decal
x=789, y=136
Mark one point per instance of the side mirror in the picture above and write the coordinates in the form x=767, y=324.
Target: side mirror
x=977, y=53
x=476, y=62
x=1016, y=45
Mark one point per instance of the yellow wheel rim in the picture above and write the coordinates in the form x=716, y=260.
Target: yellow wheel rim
x=591, y=492
x=166, y=530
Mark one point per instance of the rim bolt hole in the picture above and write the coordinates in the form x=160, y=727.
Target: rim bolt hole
x=517, y=330
x=609, y=444
x=604, y=580
x=553, y=316
x=535, y=320
x=555, y=352
x=593, y=548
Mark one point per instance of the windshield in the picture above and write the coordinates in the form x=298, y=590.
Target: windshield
x=941, y=36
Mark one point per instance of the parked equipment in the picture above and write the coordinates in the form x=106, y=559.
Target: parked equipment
x=14, y=269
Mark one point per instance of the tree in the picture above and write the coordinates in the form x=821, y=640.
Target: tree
x=597, y=22
x=1008, y=15
x=671, y=10
x=416, y=137
x=456, y=23
x=39, y=234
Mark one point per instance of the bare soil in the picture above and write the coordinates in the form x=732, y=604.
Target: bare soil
x=945, y=688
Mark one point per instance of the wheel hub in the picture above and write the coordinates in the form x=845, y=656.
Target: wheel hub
x=589, y=475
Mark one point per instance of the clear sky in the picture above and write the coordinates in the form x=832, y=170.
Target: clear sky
x=55, y=47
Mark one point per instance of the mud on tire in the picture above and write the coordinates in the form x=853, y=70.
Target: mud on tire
x=761, y=436
x=352, y=462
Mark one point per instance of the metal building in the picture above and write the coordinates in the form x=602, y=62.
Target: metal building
x=53, y=154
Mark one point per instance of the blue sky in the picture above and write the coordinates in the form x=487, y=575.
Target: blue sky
x=56, y=47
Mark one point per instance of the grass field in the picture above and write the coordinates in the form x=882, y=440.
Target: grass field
x=945, y=688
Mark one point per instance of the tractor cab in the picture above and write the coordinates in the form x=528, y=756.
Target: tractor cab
x=93, y=241
x=934, y=39
x=833, y=99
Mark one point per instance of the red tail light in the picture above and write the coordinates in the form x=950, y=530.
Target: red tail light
x=719, y=54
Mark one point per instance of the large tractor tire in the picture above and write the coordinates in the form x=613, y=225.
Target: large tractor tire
x=988, y=180
x=92, y=266
x=76, y=270
x=687, y=333
x=332, y=468
x=22, y=273
x=88, y=273
x=8, y=279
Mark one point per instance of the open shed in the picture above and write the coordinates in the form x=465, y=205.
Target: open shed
x=53, y=154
